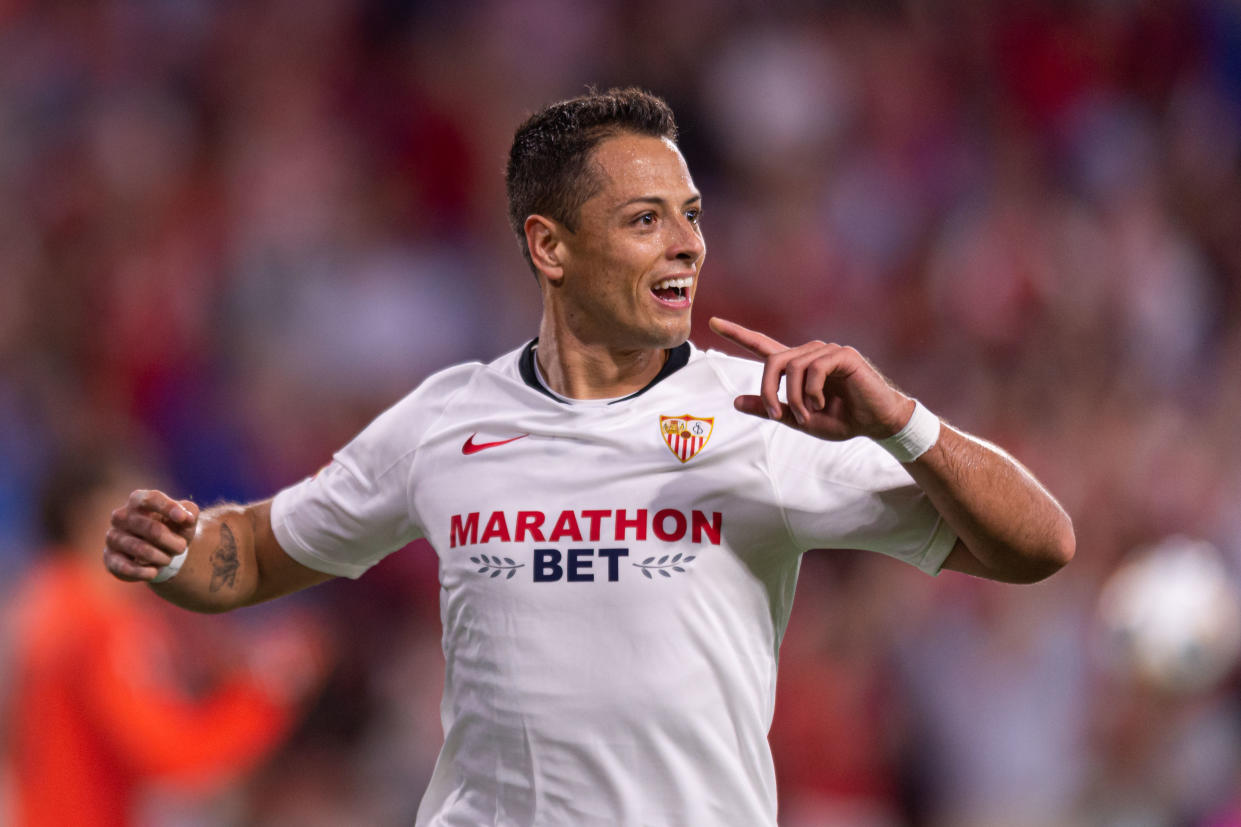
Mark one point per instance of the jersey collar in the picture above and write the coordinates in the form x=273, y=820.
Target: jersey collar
x=678, y=357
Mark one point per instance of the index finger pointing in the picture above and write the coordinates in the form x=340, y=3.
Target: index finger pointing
x=757, y=343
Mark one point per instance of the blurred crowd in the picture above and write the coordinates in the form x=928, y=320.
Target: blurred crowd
x=233, y=232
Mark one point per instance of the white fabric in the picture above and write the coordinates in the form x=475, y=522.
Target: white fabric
x=636, y=688
x=173, y=568
x=918, y=436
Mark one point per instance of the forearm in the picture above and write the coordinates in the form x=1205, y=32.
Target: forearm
x=1012, y=527
x=219, y=572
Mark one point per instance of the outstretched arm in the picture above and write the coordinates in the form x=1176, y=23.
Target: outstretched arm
x=233, y=556
x=1008, y=526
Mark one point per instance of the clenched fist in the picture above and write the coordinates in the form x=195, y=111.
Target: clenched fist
x=146, y=533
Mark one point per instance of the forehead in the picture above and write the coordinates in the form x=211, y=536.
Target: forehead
x=633, y=166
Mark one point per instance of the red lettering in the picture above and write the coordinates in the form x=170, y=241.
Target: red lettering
x=594, y=516
x=566, y=526
x=463, y=534
x=711, y=529
x=496, y=527
x=678, y=522
x=638, y=523
x=531, y=521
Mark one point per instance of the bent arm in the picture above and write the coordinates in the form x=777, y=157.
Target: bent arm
x=235, y=560
x=1009, y=527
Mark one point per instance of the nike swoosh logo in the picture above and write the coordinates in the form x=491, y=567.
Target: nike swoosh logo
x=472, y=447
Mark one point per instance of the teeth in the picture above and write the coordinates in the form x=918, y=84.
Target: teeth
x=667, y=283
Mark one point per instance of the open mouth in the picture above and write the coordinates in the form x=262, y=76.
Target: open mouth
x=673, y=291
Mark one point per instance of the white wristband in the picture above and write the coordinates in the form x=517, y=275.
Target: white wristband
x=170, y=571
x=916, y=438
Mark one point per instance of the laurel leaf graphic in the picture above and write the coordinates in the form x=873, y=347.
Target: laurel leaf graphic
x=689, y=558
x=483, y=570
x=663, y=559
x=648, y=561
x=496, y=573
x=647, y=573
x=664, y=572
x=678, y=568
x=678, y=557
x=473, y=559
x=510, y=561
x=511, y=572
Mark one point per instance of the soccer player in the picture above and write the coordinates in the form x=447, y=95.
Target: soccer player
x=619, y=516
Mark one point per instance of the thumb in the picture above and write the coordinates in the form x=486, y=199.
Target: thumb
x=753, y=405
x=187, y=528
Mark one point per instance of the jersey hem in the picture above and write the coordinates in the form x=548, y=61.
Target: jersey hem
x=299, y=551
x=942, y=541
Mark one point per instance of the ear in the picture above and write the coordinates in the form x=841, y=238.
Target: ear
x=545, y=238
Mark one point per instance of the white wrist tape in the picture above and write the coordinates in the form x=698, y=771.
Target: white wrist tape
x=916, y=438
x=170, y=571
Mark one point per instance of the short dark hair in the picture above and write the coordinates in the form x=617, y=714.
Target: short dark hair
x=548, y=166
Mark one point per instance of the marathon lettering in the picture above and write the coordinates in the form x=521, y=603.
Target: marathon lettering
x=669, y=525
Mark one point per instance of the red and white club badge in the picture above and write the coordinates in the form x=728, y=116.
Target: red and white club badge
x=686, y=435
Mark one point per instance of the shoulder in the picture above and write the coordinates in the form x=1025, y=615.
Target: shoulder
x=446, y=382
x=440, y=388
x=399, y=429
x=734, y=372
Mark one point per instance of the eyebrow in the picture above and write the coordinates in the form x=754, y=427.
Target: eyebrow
x=654, y=199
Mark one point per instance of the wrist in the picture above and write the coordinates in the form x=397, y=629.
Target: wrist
x=170, y=571
x=918, y=435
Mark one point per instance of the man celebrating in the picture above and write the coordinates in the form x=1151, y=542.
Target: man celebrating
x=619, y=516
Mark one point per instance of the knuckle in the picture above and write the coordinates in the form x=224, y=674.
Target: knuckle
x=142, y=525
x=805, y=360
x=132, y=546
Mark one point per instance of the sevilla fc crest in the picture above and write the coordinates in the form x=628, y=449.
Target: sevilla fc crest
x=686, y=435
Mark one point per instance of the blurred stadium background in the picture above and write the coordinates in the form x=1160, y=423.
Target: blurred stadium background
x=232, y=232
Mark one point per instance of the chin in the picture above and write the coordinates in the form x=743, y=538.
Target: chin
x=673, y=336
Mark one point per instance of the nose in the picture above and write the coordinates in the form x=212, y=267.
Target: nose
x=686, y=243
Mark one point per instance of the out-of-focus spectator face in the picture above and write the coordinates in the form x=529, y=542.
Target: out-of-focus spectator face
x=78, y=500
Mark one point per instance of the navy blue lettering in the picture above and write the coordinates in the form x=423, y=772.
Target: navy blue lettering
x=577, y=564
x=547, y=566
x=613, y=555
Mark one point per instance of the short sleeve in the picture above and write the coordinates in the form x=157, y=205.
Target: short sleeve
x=358, y=509
x=853, y=494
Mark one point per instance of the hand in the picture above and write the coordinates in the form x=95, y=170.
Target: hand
x=833, y=392
x=146, y=533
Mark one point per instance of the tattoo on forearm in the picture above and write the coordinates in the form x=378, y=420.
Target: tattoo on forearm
x=224, y=561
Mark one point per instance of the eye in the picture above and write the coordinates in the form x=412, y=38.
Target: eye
x=694, y=215
x=647, y=219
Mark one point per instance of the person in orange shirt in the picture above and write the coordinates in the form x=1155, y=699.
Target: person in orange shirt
x=106, y=698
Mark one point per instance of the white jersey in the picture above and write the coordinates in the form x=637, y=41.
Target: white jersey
x=615, y=580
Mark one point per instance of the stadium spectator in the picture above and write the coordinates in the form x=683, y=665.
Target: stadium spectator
x=115, y=695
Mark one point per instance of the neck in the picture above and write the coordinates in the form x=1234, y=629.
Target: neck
x=583, y=370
